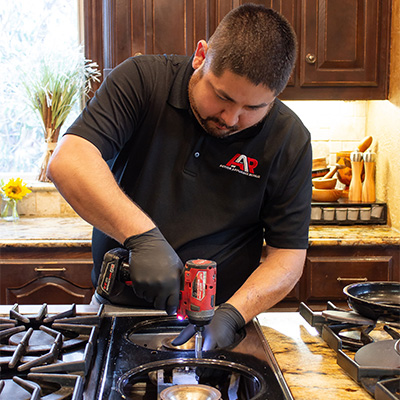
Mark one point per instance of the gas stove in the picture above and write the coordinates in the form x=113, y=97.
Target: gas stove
x=367, y=350
x=127, y=354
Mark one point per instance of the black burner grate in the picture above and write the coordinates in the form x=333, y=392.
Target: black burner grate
x=46, y=355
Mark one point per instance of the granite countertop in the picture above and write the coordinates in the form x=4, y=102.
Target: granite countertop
x=75, y=232
x=308, y=364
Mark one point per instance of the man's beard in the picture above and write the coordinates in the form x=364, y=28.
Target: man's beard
x=208, y=123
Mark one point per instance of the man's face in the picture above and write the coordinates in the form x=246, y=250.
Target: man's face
x=227, y=104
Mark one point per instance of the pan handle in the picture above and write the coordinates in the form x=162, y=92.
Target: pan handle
x=339, y=279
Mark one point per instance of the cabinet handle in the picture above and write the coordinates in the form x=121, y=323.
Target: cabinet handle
x=311, y=58
x=351, y=279
x=44, y=269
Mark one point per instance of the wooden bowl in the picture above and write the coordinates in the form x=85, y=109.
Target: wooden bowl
x=326, y=194
x=321, y=183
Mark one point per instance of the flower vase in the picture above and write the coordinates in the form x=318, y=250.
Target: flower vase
x=9, y=210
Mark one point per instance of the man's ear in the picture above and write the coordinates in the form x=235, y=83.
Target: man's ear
x=200, y=54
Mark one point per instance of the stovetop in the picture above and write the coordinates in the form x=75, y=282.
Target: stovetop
x=367, y=350
x=141, y=362
x=117, y=353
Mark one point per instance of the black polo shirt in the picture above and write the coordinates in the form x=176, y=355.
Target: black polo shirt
x=211, y=198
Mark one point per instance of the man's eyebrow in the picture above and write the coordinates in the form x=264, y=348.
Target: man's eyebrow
x=222, y=93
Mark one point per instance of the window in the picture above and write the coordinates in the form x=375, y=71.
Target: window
x=30, y=30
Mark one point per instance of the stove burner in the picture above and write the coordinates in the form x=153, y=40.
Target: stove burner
x=231, y=379
x=192, y=392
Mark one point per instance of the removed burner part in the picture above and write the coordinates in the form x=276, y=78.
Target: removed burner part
x=348, y=317
x=192, y=392
x=379, y=354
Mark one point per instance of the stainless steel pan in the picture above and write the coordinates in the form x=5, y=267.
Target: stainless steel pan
x=375, y=299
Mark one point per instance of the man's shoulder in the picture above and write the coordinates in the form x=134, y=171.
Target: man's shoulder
x=157, y=62
x=288, y=116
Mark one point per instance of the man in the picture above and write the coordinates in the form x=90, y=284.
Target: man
x=205, y=163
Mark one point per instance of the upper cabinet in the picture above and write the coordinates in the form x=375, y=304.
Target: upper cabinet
x=343, y=50
x=343, y=45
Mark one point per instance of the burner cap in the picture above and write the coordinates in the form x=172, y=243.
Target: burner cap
x=378, y=354
x=190, y=392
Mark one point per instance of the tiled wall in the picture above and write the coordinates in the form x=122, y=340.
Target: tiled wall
x=334, y=125
x=44, y=201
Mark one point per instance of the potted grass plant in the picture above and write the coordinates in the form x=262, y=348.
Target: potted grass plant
x=52, y=91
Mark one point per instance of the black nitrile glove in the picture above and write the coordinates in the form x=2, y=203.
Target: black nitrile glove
x=155, y=270
x=221, y=332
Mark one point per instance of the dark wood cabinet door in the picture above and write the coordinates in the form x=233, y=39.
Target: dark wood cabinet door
x=152, y=27
x=49, y=289
x=344, y=45
x=45, y=280
x=327, y=276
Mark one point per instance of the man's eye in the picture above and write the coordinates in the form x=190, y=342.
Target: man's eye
x=220, y=97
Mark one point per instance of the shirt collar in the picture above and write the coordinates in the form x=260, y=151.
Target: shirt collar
x=178, y=95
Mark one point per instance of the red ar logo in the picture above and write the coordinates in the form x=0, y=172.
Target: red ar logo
x=244, y=163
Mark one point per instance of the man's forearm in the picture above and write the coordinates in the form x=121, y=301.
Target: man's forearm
x=270, y=282
x=86, y=182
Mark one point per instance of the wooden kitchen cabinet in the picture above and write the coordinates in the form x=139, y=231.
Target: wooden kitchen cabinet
x=328, y=269
x=45, y=275
x=343, y=45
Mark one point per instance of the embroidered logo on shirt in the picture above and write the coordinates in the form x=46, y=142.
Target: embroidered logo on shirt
x=242, y=164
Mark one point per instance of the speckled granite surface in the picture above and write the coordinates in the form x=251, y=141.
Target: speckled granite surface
x=308, y=364
x=45, y=232
x=73, y=231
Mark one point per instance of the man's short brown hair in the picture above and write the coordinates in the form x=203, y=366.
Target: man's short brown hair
x=255, y=42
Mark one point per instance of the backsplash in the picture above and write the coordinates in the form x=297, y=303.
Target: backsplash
x=334, y=125
x=44, y=201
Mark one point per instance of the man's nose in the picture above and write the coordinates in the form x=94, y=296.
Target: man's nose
x=230, y=116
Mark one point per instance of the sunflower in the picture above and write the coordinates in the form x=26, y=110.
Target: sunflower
x=15, y=189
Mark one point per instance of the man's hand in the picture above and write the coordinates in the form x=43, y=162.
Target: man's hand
x=155, y=269
x=221, y=332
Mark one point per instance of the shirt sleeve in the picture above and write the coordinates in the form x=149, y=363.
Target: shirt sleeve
x=287, y=211
x=110, y=117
